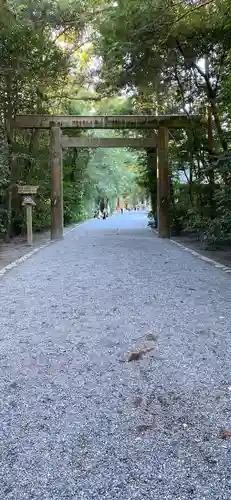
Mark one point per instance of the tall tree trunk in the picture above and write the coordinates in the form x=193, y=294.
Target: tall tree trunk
x=210, y=152
x=9, y=141
x=211, y=94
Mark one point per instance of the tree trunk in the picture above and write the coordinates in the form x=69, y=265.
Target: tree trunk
x=9, y=141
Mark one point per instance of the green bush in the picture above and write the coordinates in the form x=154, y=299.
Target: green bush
x=42, y=215
x=73, y=206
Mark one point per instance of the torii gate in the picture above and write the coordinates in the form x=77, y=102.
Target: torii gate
x=159, y=141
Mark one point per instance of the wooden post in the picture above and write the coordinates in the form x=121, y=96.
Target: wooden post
x=163, y=184
x=56, y=184
x=29, y=225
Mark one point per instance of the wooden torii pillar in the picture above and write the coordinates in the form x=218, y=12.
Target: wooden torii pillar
x=56, y=183
x=163, y=185
x=159, y=162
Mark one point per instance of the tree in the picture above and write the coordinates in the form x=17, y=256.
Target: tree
x=34, y=66
x=174, y=57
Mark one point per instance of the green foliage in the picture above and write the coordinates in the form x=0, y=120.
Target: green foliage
x=108, y=173
x=75, y=194
x=219, y=230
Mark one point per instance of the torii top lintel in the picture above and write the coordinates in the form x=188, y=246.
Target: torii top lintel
x=106, y=121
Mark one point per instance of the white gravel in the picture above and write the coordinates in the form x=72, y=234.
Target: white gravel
x=80, y=422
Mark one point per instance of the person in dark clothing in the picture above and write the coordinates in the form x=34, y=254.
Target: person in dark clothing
x=102, y=205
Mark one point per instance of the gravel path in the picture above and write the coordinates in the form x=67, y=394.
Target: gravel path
x=115, y=370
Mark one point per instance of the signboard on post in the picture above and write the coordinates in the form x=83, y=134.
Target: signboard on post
x=27, y=189
x=27, y=192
